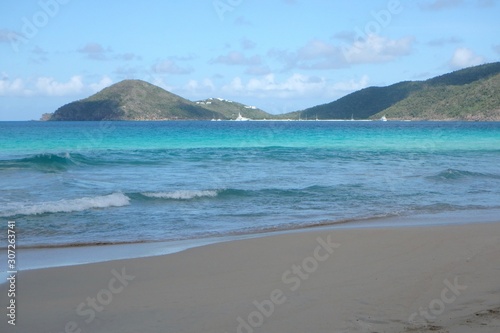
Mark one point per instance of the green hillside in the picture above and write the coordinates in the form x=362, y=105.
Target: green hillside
x=363, y=103
x=467, y=75
x=139, y=100
x=471, y=93
x=468, y=94
x=230, y=109
x=479, y=100
x=132, y=100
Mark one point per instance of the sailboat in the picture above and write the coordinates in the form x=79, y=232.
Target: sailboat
x=241, y=118
x=383, y=118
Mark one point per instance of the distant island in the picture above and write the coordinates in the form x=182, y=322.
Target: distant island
x=468, y=94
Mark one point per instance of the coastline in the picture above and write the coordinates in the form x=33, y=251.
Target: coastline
x=255, y=177
x=36, y=257
x=364, y=279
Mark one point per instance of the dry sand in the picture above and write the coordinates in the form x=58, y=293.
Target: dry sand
x=408, y=279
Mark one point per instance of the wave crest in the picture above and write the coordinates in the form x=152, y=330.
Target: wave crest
x=66, y=205
x=44, y=162
x=181, y=194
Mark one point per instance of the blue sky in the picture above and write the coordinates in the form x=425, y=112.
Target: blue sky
x=279, y=55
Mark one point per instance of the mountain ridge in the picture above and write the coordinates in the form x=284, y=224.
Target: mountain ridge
x=468, y=94
x=374, y=102
x=131, y=100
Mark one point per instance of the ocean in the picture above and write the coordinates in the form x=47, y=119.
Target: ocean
x=69, y=184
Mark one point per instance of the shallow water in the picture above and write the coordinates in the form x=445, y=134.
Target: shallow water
x=76, y=183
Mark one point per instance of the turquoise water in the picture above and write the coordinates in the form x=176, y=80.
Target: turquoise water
x=82, y=183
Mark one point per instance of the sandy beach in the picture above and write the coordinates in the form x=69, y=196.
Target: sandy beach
x=408, y=279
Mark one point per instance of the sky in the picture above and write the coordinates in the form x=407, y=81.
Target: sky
x=278, y=55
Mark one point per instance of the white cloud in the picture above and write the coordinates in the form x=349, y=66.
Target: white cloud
x=192, y=89
x=296, y=85
x=351, y=85
x=464, y=57
x=103, y=83
x=200, y=87
x=375, y=49
x=160, y=82
x=236, y=85
x=11, y=87
x=318, y=54
x=50, y=87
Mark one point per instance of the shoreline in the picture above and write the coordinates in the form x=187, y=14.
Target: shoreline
x=59, y=256
x=381, y=279
x=486, y=120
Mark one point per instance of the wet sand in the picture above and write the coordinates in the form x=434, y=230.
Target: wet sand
x=407, y=279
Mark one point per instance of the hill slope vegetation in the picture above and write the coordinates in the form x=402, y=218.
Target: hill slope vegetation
x=231, y=110
x=140, y=100
x=132, y=100
x=468, y=94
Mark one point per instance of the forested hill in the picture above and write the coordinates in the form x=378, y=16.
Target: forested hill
x=468, y=94
x=140, y=100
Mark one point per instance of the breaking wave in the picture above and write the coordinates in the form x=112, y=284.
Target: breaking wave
x=181, y=194
x=66, y=205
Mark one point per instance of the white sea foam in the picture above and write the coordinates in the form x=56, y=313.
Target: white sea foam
x=66, y=206
x=181, y=194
